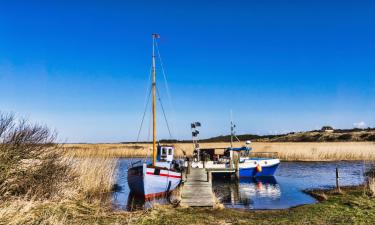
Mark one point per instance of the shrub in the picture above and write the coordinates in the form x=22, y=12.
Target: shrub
x=30, y=162
x=345, y=137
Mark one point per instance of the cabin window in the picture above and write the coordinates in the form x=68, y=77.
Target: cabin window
x=170, y=151
x=163, y=151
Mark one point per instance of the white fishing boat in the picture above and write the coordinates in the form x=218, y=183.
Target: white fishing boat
x=164, y=174
x=248, y=164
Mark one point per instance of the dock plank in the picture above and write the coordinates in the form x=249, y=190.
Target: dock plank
x=197, y=191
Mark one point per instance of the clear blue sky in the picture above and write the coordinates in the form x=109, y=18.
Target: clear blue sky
x=82, y=67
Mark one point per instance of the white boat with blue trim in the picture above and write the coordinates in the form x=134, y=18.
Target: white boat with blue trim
x=248, y=164
x=163, y=175
x=152, y=181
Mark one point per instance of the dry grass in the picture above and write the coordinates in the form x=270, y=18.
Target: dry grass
x=83, y=199
x=63, y=212
x=40, y=184
x=95, y=176
x=288, y=151
x=371, y=185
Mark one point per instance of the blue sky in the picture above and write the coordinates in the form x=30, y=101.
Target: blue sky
x=82, y=67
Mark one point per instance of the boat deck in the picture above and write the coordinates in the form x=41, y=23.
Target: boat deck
x=197, y=189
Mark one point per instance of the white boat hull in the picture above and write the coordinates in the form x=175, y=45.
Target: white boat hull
x=150, y=182
x=247, y=166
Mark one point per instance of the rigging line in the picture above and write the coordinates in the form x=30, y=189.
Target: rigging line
x=144, y=114
x=165, y=117
x=149, y=126
x=165, y=79
x=148, y=137
x=182, y=149
x=148, y=85
x=147, y=97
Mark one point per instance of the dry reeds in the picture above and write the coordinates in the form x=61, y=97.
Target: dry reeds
x=288, y=151
x=30, y=162
x=95, y=176
x=40, y=184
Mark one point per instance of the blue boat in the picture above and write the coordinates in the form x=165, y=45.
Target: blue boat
x=254, y=166
x=257, y=164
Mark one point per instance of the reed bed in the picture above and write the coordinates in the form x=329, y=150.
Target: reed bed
x=95, y=176
x=85, y=198
x=287, y=151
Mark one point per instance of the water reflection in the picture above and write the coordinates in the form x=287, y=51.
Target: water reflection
x=282, y=191
x=138, y=203
x=248, y=192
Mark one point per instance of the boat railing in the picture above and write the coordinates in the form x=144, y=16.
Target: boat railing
x=273, y=155
x=133, y=164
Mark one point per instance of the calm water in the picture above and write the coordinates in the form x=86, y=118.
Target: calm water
x=283, y=191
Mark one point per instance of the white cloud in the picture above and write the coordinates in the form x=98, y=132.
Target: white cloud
x=360, y=125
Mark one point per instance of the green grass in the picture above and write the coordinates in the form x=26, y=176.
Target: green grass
x=351, y=207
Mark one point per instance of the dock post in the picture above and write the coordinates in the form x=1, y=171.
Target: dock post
x=188, y=167
x=337, y=180
x=237, y=166
x=209, y=177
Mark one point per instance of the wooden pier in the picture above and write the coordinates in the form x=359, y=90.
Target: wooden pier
x=197, y=189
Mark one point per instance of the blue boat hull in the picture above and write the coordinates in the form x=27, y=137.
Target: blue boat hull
x=252, y=172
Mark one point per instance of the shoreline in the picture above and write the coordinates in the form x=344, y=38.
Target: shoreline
x=335, y=206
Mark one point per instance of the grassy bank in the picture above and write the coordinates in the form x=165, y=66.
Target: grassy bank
x=349, y=207
x=288, y=151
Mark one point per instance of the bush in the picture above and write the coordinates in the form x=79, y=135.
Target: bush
x=371, y=137
x=345, y=137
x=30, y=161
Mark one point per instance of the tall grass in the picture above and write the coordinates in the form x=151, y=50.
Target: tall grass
x=83, y=199
x=40, y=184
x=288, y=151
x=95, y=176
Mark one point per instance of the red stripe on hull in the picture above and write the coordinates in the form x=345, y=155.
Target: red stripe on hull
x=163, y=175
x=155, y=195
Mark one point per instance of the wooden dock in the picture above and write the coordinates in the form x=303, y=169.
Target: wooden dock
x=197, y=190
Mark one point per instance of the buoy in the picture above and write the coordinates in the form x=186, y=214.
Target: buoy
x=259, y=168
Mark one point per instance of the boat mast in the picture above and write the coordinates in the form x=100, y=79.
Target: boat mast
x=154, y=148
x=231, y=129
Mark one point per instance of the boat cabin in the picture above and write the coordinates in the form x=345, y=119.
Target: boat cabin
x=165, y=153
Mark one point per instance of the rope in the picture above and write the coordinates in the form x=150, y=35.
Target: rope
x=165, y=117
x=146, y=101
x=165, y=81
x=144, y=114
x=168, y=95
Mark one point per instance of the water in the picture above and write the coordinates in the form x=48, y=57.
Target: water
x=285, y=190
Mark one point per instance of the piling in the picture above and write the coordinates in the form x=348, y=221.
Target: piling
x=337, y=180
x=236, y=165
